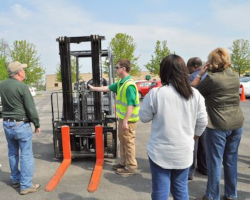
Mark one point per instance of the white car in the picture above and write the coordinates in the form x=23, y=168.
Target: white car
x=32, y=91
x=245, y=82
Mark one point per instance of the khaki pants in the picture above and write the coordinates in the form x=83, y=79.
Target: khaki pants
x=127, y=145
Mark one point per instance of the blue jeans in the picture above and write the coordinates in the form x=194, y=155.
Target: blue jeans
x=164, y=180
x=19, y=135
x=222, y=146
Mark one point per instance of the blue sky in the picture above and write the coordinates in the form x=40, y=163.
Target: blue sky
x=191, y=28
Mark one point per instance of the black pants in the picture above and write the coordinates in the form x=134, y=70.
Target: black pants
x=202, y=154
x=199, y=156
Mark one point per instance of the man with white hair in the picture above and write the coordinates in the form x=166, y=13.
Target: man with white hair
x=18, y=111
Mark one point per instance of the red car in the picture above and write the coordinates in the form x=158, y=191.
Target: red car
x=143, y=87
x=155, y=84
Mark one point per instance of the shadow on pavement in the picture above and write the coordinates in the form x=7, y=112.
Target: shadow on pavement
x=70, y=196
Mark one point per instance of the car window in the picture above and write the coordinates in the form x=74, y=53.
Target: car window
x=244, y=79
x=153, y=84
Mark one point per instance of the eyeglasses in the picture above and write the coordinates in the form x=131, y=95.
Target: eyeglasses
x=118, y=67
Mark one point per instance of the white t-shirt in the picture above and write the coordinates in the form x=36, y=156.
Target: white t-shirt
x=175, y=121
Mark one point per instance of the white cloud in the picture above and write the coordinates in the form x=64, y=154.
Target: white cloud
x=45, y=21
x=234, y=14
x=20, y=11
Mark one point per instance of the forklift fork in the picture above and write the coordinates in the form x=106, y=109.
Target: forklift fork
x=96, y=174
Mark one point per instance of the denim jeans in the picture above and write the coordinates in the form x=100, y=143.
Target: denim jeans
x=19, y=135
x=223, y=146
x=166, y=180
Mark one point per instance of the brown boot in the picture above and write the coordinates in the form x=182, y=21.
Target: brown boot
x=125, y=172
x=34, y=188
x=118, y=166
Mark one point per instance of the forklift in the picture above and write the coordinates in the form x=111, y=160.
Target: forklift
x=78, y=107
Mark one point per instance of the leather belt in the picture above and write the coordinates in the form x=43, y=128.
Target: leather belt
x=16, y=120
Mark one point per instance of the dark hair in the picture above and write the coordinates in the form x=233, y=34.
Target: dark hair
x=194, y=62
x=173, y=70
x=125, y=63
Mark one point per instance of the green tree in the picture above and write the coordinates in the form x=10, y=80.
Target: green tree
x=73, y=71
x=4, y=48
x=26, y=52
x=161, y=51
x=240, y=56
x=3, y=59
x=3, y=68
x=123, y=46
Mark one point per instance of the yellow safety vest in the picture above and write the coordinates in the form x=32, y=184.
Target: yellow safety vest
x=122, y=103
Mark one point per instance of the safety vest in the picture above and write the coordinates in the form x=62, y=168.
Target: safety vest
x=122, y=103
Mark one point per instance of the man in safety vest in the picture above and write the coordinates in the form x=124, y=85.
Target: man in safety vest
x=127, y=109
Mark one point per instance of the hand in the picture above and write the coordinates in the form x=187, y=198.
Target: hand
x=38, y=131
x=204, y=69
x=91, y=87
x=124, y=125
x=196, y=137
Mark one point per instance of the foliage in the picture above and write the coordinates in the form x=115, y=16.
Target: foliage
x=3, y=68
x=3, y=59
x=4, y=48
x=160, y=52
x=26, y=52
x=240, y=56
x=73, y=71
x=123, y=46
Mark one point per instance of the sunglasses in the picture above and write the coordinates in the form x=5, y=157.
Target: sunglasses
x=118, y=67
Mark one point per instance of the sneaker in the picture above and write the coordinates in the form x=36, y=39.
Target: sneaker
x=118, y=166
x=34, y=188
x=125, y=172
x=15, y=185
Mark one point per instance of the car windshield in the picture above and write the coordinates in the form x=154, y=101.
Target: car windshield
x=153, y=84
x=244, y=79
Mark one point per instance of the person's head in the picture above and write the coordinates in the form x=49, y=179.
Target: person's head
x=194, y=64
x=123, y=66
x=173, y=70
x=16, y=70
x=219, y=60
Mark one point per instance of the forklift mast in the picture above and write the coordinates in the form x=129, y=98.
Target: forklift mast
x=83, y=109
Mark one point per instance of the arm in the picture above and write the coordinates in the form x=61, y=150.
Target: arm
x=99, y=89
x=30, y=109
x=127, y=116
x=147, y=112
x=197, y=79
x=201, y=121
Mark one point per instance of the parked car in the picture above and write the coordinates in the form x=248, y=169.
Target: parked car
x=32, y=91
x=143, y=87
x=155, y=84
x=245, y=81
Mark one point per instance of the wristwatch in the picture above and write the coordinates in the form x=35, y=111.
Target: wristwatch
x=198, y=76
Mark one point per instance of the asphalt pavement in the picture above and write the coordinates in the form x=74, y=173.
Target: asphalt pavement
x=74, y=183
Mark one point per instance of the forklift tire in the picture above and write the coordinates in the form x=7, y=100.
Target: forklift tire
x=110, y=143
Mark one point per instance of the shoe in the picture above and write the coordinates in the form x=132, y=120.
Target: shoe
x=34, y=188
x=118, y=166
x=15, y=185
x=125, y=172
x=190, y=178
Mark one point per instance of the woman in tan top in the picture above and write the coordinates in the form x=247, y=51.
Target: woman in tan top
x=225, y=120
